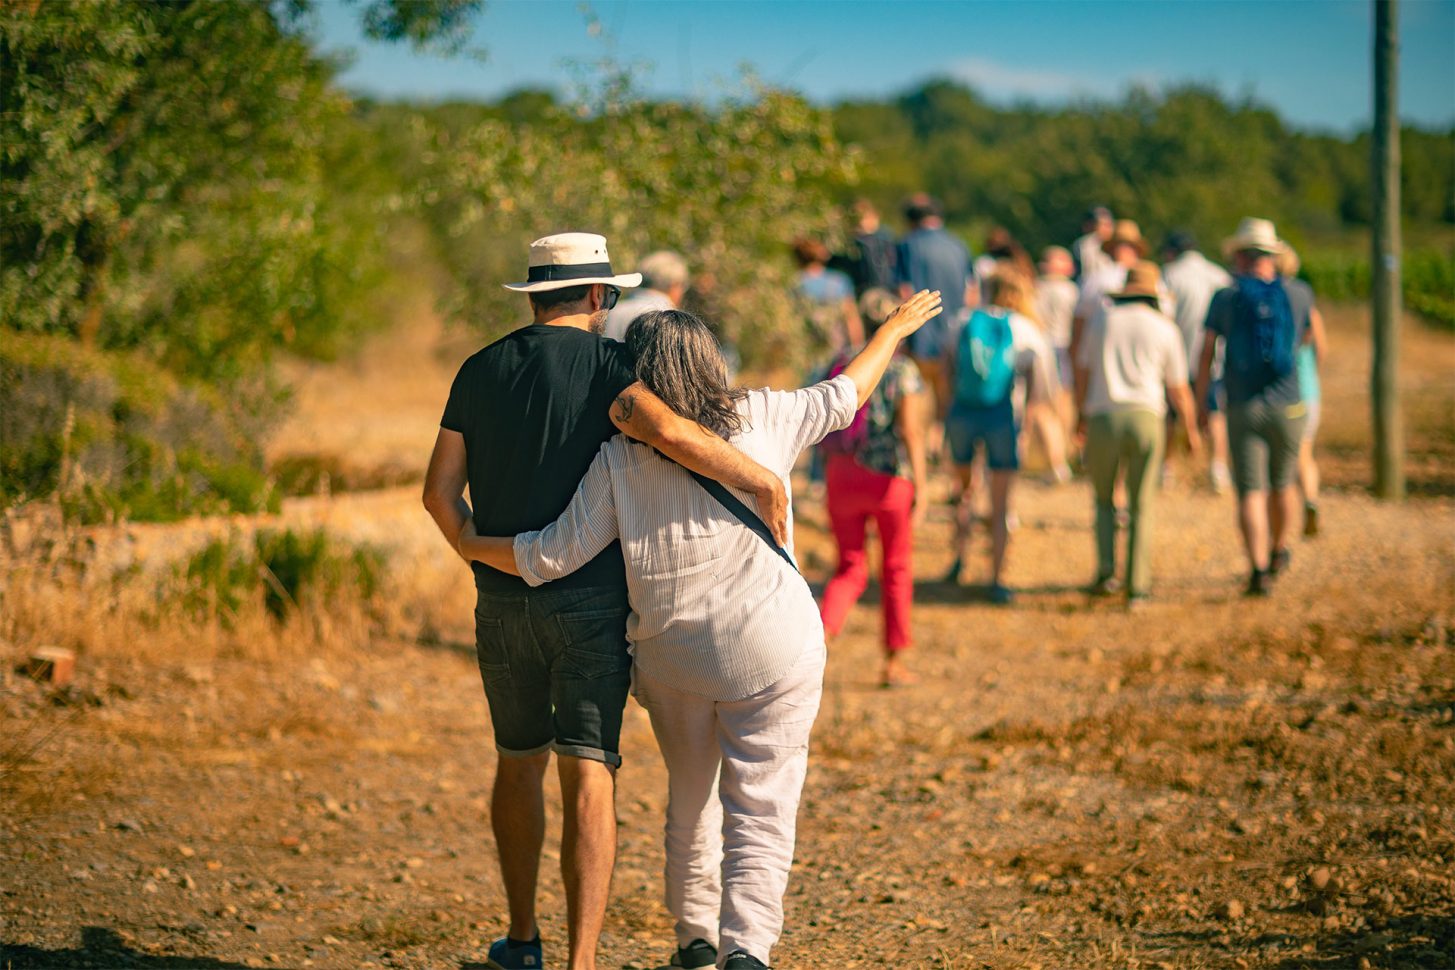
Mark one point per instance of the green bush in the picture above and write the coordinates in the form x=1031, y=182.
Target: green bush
x=281, y=570
x=1427, y=281
x=114, y=436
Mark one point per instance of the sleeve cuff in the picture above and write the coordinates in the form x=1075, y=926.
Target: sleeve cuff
x=843, y=401
x=527, y=551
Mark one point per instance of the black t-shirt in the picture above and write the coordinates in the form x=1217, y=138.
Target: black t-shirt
x=534, y=409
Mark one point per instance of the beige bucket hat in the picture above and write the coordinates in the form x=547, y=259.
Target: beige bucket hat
x=1125, y=231
x=570, y=259
x=1143, y=279
x=1258, y=235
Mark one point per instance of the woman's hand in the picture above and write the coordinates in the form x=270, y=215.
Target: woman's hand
x=913, y=313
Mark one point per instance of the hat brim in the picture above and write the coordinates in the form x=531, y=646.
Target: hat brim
x=1134, y=295
x=625, y=281
x=1240, y=244
x=1111, y=244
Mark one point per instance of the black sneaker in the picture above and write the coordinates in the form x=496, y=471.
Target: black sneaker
x=1279, y=562
x=1310, y=519
x=952, y=575
x=695, y=955
x=738, y=960
x=1105, y=586
x=1259, y=583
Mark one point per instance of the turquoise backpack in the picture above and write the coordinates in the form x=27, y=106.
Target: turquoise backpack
x=985, y=367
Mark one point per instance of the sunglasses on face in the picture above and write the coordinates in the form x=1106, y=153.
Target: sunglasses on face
x=613, y=294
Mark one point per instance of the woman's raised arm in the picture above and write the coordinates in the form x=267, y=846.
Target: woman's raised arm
x=867, y=368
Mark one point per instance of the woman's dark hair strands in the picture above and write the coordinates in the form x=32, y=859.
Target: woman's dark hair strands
x=677, y=357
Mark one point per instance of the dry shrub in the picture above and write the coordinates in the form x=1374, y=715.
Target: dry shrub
x=213, y=589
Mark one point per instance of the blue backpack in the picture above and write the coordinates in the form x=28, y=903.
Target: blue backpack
x=1260, y=348
x=985, y=368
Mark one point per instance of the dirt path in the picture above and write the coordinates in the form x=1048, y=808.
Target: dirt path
x=1210, y=783
x=1069, y=786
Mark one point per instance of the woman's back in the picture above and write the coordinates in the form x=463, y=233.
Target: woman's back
x=715, y=610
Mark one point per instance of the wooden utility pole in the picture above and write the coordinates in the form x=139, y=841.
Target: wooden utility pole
x=1385, y=257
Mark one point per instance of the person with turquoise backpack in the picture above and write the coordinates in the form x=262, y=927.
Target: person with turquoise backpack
x=997, y=351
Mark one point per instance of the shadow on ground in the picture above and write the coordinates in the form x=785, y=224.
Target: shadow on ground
x=102, y=947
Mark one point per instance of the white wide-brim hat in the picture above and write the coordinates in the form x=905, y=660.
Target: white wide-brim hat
x=1255, y=234
x=570, y=259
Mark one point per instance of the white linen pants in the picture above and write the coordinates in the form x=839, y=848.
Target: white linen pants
x=735, y=772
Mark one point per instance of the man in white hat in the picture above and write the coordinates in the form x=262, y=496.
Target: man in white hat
x=525, y=417
x=1259, y=322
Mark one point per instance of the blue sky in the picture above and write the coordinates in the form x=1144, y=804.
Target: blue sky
x=1309, y=59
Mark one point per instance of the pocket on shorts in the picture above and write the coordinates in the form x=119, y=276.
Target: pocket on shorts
x=595, y=642
x=490, y=649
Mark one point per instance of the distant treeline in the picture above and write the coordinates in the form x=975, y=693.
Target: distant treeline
x=1185, y=157
x=185, y=191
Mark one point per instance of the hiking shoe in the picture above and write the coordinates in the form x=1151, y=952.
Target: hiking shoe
x=1136, y=602
x=695, y=955
x=1259, y=583
x=738, y=960
x=1310, y=519
x=1279, y=562
x=1105, y=586
x=508, y=954
x=1001, y=595
x=952, y=575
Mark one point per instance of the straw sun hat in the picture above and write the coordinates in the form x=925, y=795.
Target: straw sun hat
x=570, y=259
x=1125, y=231
x=1256, y=235
x=1143, y=279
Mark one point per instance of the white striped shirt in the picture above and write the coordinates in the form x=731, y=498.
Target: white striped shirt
x=715, y=611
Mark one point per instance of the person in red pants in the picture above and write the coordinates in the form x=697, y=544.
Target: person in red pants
x=876, y=469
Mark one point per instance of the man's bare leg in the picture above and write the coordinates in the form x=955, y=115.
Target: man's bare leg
x=1253, y=521
x=518, y=817
x=588, y=851
x=1283, y=509
x=1000, y=483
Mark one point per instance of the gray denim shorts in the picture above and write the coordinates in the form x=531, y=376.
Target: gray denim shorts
x=556, y=670
x=1263, y=440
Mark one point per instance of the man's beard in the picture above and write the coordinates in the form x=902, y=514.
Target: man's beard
x=597, y=323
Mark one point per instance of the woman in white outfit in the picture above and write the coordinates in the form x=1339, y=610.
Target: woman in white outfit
x=726, y=638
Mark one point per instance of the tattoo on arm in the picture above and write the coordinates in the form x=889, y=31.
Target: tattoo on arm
x=626, y=405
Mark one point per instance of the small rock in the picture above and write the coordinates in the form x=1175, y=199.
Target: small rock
x=127, y=825
x=1230, y=910
x=1318, y=879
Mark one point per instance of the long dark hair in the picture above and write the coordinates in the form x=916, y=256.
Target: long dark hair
x=679, y=361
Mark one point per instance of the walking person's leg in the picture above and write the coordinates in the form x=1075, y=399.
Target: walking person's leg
x=960, y=438
x=1142, y=442
x=516, y=676
x=686, y=729
x=896, y=539
x=1000, y=486
x=1308, y=471
x=588, y=851
x=1002, y=457
x=1101, y=461
x=764, y=740
x=518, y=821
x=848, y=508
x=1284, y=434
x=590, y=678
x=1249, y=451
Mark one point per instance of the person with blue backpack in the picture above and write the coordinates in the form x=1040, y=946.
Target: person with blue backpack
x=1260, y=322
x=996, y=350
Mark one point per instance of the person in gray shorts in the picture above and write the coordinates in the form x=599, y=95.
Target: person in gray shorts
x=1260, y=322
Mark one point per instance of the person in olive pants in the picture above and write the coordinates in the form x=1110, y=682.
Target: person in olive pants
x=1129, y=364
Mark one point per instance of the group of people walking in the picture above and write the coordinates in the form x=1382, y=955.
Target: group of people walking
x=629, y=512
x=1095, y=350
